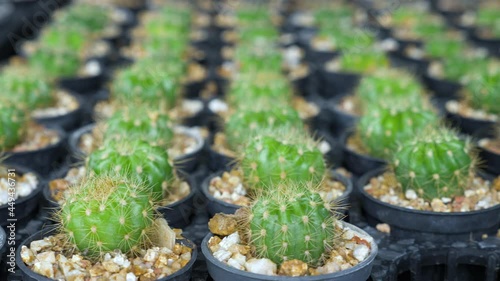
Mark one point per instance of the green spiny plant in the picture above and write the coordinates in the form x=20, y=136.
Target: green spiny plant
x=107, y=213
x=461, y=68
x=484, y=92
x=55, y=62
x=134, y=159
x=270, y=86
x=148, y=83
x=291, y=222
x=363, y=61
x=93, y=18
x=247, y=123
x=140, y=123
x=71, y=38
x=276, y=156
x=381, y=129
x=12, y=125
x=435, y=164
x=26, y=88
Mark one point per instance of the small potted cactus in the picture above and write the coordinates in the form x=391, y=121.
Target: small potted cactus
x=108, y=229
x=287, y=233
x=486, y=32
x=269, y=157
x=49, y=106
x=433, y=190
x=379, y=132
x=478, y=108
x=26, y=143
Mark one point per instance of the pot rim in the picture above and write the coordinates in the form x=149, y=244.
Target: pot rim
x=330, y=276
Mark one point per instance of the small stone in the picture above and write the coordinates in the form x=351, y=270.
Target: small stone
x=360, y=252
x=222, y=255
x=222, y=224
x=293, y=268
x=446, y=200
x=438, y=205
x=261, y=266
x=27, y=255
x=469, y=193
x=39, y=245
x=230, y=240
x=330, y=267
x=131, y=277
x=110, y=266
x=44, y=268
x=233, y=263
x=410, y=194
x=384, y=228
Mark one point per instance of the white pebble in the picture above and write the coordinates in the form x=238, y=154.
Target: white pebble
x=122, y=261
x=361, y=252
x=229, y=241
x=410, y=194
x=93, y=68
x=131, y=277
x=330, y=267
x=38, y=245
x=241, y=259
x=192, y=106
x=483, y=204
x=446, y=200
x=240, y=190
x=261, y=266
x=235, y=264
x=222, y=255
x=217, y=105
x=469, y=193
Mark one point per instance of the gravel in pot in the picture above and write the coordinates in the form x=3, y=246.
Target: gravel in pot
x=20, y=188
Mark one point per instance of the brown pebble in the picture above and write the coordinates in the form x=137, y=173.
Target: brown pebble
x=293, y=268
x=222, y=224
x=383, y=227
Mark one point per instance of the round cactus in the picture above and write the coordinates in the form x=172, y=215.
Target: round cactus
x=12, y=126
x=140, y=123
x=263, y=86
x=93, y=18
x=383, y=128
x=55, y=63
x=292, y=222
x=363, y=61
x=247, y=123
x=147, y=83
x=268, y=161
x=484, y=92
x=436, y=164
x=107, y=213
x=26, y=88
x=134, y=159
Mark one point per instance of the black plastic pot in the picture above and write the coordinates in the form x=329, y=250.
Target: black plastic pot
x=333, y=84
x=306, y=86
x=83, y=85
x=24, y=206
x=403, y=44
x=442, y=88
x=215, y=205
x=357, y=163
x=184, y=274
x=399, y=59
x=319, y=58
x=43, y=160
x=178, y=214
x=222, y=272
x=425, y=225
x=67, y=122
x=219, y=162
x=193, y=90
x=469, y=126
x=490, y=44
x=490, y=160
x=184, y=164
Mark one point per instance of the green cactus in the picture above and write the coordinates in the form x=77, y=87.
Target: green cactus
x=55, y=62
x=134, y=159
x=262, y=86
x=140, y=123
x=435, y=164
x=444, y=47
x=107, y=213
x=147, y=83
x=461, y=68
x=292, y=222
x=12, y=126
x=268, y=160
x=255, y=57
x=93, y=18
x=26, y=88
x=381, y=129
x=70, y=38
x=246, y=123
x=484, y=92
x=390, y=84
x=363, y=61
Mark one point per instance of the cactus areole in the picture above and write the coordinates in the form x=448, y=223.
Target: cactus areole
x=292, y=225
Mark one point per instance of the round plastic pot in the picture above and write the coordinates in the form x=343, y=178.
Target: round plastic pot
x=83, y=85
x=333, y=84
x=417, y=66
x=193, y=90
x=184, y=274
x=215, y=205
x=319, y=58
x=178, y=214
x=357, y=163
x=306, y=85
x=491, y=44
x=67, y=122
x=205, y=118
x=442, y=88
x=222, y=272
x=470, y=126
x=184, y=164
x=219, y=162
x=403, y=44
x=43, y=160
x=427, y=225
x=490, y=160
x=24, y=206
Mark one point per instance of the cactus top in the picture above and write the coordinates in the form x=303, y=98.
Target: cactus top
x=484, y=91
